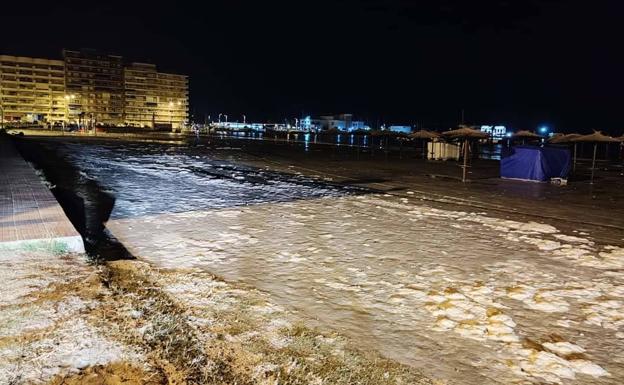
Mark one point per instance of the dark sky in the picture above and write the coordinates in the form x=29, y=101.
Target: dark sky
x=519, y=63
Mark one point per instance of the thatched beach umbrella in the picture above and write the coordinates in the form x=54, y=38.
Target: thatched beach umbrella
x=385, y=134
x=595, y=138
x=567, y=138
x=564, y=138
x=524, y=134
x=466, y=134
x=425, y=136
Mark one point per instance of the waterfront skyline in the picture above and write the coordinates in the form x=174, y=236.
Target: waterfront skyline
x=526, y=65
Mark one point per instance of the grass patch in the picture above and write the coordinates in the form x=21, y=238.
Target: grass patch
x=226, y=340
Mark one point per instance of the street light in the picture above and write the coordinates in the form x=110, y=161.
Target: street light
x=220, y=118
x=244, y=119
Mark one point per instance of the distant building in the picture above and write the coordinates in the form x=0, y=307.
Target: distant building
x=154, y=99
x=32, y=89
x=403, y=129
x=342, y=122
x=91, y=88
x=233, y=126
x=94, y=86
x=495, y=132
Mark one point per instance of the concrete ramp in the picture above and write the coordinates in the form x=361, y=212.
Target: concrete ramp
x=30, y=216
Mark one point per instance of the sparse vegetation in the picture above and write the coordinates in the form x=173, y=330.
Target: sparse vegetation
x=170, y=327
x=232, y=342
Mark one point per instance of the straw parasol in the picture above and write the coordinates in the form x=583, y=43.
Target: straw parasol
x=526, y=134
x=386, y=134
x=465, y=133
x=425, y=136
x=564, y=138
x=595, y=138
x=567, y=139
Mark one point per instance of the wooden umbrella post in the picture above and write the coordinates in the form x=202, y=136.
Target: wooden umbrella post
x=593, y=164
x=465, y=160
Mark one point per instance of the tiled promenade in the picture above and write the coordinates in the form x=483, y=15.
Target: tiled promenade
x=30, y=216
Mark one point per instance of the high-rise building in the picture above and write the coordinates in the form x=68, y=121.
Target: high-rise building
x=140, y=94
x=94, y=84
x=90, y=88
x=32, y=90
x=172, y=93
x=154, y=99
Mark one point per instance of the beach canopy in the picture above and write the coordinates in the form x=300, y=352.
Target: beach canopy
x=564, y=138
x=595, y=138
x=465, y=132
x=526, y=134
x=424, y=134
x=535, y=163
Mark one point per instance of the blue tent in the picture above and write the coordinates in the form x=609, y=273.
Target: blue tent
x=536, y=163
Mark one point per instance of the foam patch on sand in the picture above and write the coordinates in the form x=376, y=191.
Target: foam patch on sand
x=43, y=324
x=493, y=282
x=72, y=345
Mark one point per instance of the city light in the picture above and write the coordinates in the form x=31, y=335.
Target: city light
x=543, y=129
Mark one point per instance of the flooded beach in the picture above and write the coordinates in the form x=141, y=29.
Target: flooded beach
x=465, y=295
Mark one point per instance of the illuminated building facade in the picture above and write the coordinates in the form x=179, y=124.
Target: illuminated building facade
x=342, y=122
x=32, y=90
x=89, y=88
x=401, y=129
x=496, y=132
x=140, y=94
x=154, y=99
x=173, y=106
x=94, y=86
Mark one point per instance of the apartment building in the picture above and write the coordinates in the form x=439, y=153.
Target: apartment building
x=90, y=88
x=32, y=90
x=94, y=85
x=154, y=99
x=172, y=93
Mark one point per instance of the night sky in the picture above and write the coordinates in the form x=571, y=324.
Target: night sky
x=518, y=63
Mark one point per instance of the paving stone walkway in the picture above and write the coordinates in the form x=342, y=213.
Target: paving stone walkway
x=30, y=216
